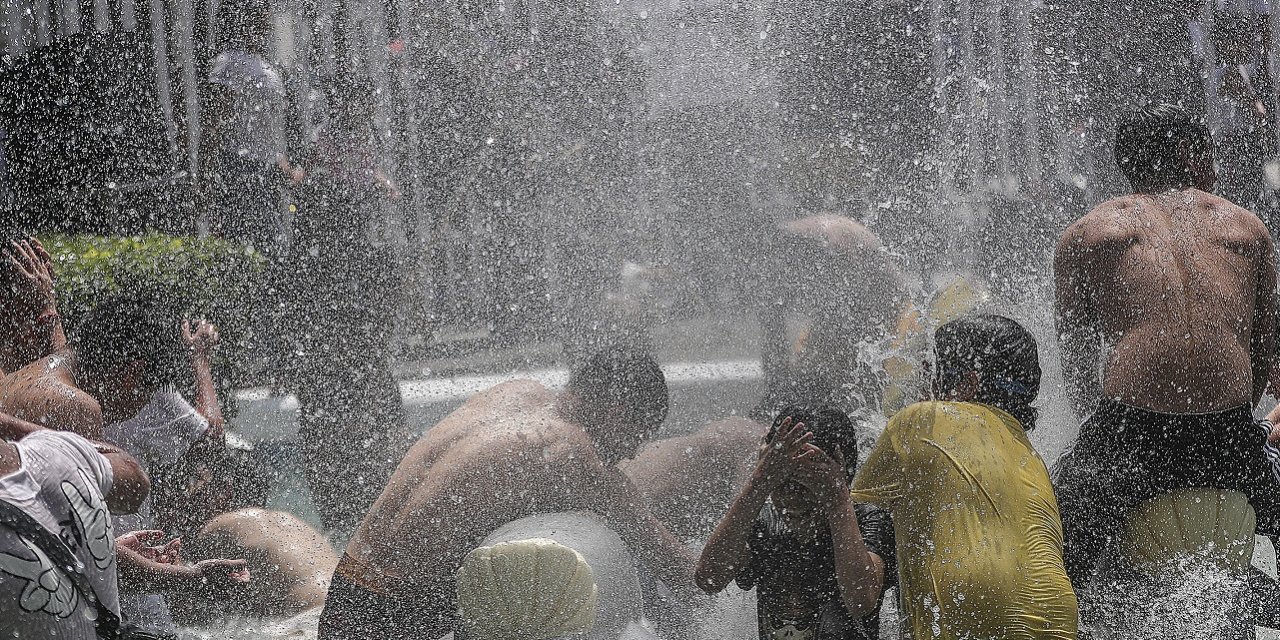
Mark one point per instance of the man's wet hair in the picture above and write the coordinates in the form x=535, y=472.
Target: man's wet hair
x=1003, y=354
x=626, y=377
x=831, y=428
x=125, y=329
x=1149, y=144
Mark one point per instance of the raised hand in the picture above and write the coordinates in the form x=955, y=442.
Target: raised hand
x=32, y=291
x=778, y=458
x=201, y=336
x=48, y=589
x=94, y=521
x=823, y=475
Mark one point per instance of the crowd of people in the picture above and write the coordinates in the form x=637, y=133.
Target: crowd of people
x=538, y=513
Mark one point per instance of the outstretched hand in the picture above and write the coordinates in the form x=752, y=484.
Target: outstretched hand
x=221, y=573
x=778, y=459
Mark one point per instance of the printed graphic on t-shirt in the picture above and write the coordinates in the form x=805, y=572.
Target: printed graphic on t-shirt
x=92, y=521
x=788, y=630
x=47, y=588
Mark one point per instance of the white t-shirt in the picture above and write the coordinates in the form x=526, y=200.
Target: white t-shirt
x=61, y=484
x=258, y=105
x=161, y=433
x=157, y=437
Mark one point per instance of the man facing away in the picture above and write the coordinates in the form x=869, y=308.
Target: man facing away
x=1179, y=287
x=513, y=451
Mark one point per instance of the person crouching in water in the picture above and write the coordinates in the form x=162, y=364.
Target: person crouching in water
x=820, y=562
x=979, y=539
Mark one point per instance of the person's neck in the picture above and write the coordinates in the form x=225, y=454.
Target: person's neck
x=569, y=408
x=1162, y=188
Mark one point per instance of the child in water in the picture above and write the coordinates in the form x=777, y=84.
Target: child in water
x=819, y=562
x=977, y=527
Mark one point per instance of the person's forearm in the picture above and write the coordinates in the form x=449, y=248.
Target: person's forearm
x=37, y=339
x=858, y=575
x=624, y=510
x=1262, y=338
x=206, y=394
x=726, y=550
x=1262, y=365
x=142, y=575
x=12, y=428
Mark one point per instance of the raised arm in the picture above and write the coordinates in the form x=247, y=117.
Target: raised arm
x=35, y=329
x=859, y=571
x=727, y=550
x=1262, y=340
x=1079, y=336
x=202, y=337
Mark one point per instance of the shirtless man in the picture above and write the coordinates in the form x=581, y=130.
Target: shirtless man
x=513, y=451
x=119, y=356
x=1179, y=287
x=290, y=562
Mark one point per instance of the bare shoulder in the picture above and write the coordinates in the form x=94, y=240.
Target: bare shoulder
x=1222, y=210
x=1105, y=223
x=37, y=393
x=512, y=395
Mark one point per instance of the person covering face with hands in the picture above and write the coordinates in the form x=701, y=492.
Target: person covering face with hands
x=820, y=562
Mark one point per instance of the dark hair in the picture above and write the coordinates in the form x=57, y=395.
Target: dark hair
x=1148, y=141
x=626, y=377
x=832, y=431
x=1004, y=355
x=123, y=329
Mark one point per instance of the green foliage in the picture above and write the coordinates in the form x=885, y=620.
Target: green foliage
x=193, y=277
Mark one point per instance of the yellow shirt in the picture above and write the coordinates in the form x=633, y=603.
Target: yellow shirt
x=979, y=539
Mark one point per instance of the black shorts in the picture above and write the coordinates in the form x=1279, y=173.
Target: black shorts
x=1125, y=456
x=353, y=612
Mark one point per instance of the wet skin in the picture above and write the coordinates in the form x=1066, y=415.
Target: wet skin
x=688, y=480
x=1180, y=286
x=44, y=392
x=506, y=454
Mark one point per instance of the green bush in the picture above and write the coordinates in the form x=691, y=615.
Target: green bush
x=204, y=278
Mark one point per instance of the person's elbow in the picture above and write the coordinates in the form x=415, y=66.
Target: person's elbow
x=130, y=487
x=709, y=579
x=864, y=601
x=863, y=596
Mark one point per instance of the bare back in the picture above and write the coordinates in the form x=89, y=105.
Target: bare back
x=504, y=455
x=690, y=480
x=1180, y=286
x=290, y=561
